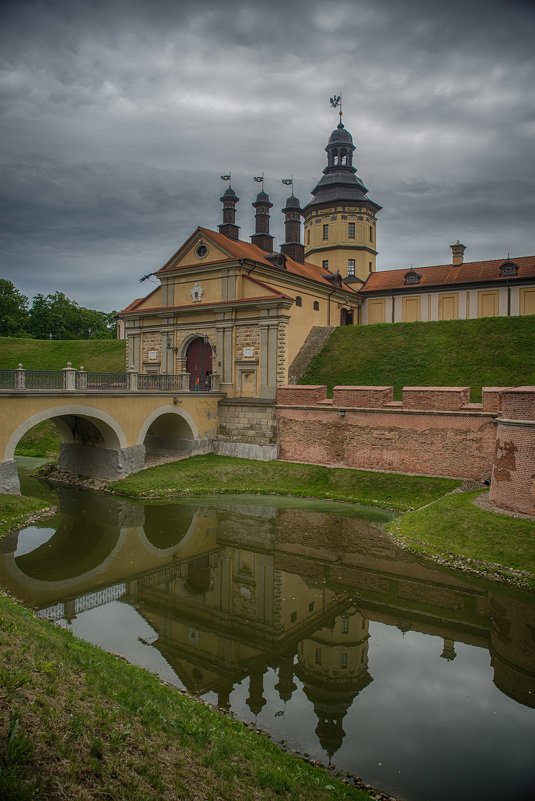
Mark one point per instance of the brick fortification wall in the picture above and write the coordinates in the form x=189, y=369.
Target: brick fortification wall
x=432, y=431
x=513, y=475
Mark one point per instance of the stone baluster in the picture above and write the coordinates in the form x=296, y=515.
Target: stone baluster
x=131, y=380
x=81, y=379
x=69, y=377
x=20, y=377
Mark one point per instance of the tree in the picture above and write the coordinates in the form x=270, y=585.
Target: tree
x=58, y=317
x=14, y=318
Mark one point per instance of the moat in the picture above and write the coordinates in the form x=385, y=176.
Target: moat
x=304, y=618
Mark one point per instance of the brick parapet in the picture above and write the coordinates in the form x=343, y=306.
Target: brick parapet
x=439, y=398
x=518, y=403
x=492, y=398
x=291, y=394
x=363, y=397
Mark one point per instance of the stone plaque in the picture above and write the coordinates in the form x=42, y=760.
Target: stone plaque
x=248, y=353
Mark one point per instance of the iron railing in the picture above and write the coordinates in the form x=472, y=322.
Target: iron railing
x=43, y=379
x=69, y=380
x=101, y=382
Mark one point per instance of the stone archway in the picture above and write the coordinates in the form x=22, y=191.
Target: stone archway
x=170, y=433
x=93, y=443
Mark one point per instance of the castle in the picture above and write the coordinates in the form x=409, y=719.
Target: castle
x=241, y=311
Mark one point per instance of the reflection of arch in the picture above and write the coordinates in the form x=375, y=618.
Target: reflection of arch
x=166, y=526
x=113, y=437
x=174, y=549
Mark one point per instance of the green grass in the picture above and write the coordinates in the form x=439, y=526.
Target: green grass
x=455, y=526
x=41, y=440
x=102, y=355
x=201, y=475
x=78, y=723
x=494, y=351
x=14, y=510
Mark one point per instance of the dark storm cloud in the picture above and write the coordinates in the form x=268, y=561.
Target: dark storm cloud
x=118, y=118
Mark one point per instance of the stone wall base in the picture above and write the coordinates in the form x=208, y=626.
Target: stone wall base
x=9, y=478
x=246, y=450
x=101, y=462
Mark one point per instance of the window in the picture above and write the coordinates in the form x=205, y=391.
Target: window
x=345, y=624
x=316, y=305
x=311, y=606
x=371, y=234
x=351, y=230
x=508, y=268
x=318, y=656
x=325, y=231
x=370, y=268
x=308, y=237
x=351, y=266
x=293, y=617
x=412, y=277
x=343, y=660
x=325, y=264
x=299, y=301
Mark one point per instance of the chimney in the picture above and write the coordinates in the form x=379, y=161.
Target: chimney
x=229, y=227
x=457, y=251
x=262, y=238
x=292, y=230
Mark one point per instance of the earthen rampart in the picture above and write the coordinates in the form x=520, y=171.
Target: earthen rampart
x=432, y=431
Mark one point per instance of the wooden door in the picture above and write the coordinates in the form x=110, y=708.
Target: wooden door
x=199, y=365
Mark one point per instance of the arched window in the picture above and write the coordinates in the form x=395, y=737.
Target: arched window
x=316, y=305
x=299, y=300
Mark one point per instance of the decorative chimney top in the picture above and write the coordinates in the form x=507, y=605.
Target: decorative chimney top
x=457, y=251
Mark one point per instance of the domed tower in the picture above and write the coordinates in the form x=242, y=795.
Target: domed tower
x=340, y=232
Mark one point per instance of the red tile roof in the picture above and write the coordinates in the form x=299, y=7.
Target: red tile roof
x=246, y=250
x=467, y=273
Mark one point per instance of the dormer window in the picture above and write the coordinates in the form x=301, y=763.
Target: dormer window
x=412, y=277
x=508, y=268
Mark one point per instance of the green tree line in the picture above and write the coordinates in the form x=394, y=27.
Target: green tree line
x=50, y=317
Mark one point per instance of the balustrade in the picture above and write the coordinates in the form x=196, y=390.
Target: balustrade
x=70, y=380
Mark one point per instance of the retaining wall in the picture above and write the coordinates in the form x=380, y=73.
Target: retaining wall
x=432, y=431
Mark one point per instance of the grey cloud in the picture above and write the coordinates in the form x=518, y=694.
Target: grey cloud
x=118, y=118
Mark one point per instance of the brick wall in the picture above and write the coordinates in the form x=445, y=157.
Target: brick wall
x=394, y=441
x=434, y=431
x=513, y=475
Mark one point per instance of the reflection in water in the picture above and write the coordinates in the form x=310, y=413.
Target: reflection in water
x=308, y=620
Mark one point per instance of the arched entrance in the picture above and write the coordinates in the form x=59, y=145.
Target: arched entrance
x=346, y=316
x=199, y=365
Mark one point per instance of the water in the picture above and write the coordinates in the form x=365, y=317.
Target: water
x=304, y=618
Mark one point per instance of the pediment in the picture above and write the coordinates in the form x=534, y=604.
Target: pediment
x=197, y=250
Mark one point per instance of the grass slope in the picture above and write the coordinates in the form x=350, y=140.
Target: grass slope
x=102, y=355
x=201, y=475
x=15, y=509
x=78, y=723
x=493, y=351
x=454, y=526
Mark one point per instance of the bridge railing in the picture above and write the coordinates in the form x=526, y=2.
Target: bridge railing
x=69, y=379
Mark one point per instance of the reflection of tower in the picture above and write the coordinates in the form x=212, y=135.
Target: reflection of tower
x=448, y=652
x=333, y=666
x=285, y=685
x=256, y=700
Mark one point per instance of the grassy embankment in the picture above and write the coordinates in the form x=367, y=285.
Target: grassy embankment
x=15, y=509
x=78, y=723
x=450, y=528
x=102, y=355
x=494, y=351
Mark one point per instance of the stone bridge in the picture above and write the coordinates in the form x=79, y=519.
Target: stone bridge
x=109, y=425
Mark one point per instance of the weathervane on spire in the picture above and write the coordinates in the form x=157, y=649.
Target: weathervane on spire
x=289, y=182
x=227, y=177
x=260, y=180
x=336, y=100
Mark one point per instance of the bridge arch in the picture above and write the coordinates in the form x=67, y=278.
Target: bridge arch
x=112, y=436
x=169, y=431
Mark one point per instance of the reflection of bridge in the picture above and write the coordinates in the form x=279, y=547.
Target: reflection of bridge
x=107, y=429
x=231, y=594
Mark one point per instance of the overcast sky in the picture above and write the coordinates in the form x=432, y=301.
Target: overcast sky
x=118, y=118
